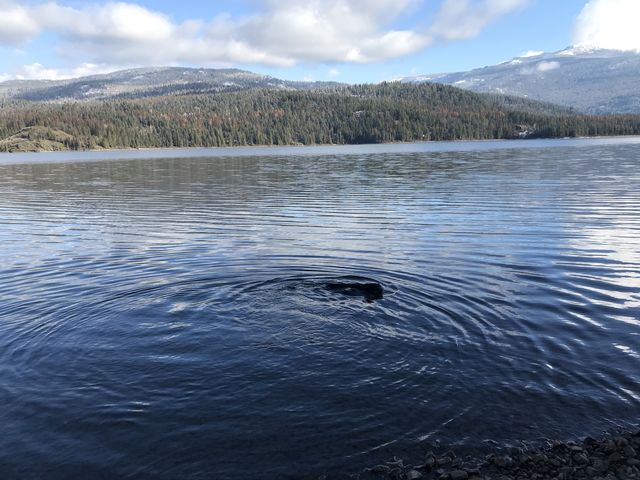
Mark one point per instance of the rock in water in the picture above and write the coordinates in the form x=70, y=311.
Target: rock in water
x=371, y=291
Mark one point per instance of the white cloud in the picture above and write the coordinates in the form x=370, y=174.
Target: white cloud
x=333, y=73
x=354, y=31
x=462, y=19
x=531, y=53
x=278, y=33
x=547, y=66
x=611, y=24
x=16, y=24
x=111, y=22
x=281, y=32
x=540, y=67
x=37, y=71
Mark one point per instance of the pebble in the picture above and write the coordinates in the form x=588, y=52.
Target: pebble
x=430, y=462
x=608, y=459
x=381, y=469
x=581, y=459
x=458, y=475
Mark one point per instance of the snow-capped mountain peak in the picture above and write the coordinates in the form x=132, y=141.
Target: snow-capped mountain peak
x=589, y=79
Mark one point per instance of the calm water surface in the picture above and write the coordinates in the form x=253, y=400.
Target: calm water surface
x=170, y=318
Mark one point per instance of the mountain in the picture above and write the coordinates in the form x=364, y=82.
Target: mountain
x=590, y=80
x=182, y=107
x=147, y=82
x=352, y=114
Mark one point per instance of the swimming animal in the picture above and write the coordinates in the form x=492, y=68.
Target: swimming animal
x=371, y=291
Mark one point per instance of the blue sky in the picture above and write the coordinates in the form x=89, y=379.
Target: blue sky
x=343, y=40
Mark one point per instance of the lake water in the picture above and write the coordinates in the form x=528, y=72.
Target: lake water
x=174, y=317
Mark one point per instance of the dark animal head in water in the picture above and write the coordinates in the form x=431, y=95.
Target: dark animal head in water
x=370, y=290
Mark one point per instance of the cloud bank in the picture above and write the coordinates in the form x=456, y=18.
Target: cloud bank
x=611, y=24
x=278, y=33
x=462, y=19
x=37, y=71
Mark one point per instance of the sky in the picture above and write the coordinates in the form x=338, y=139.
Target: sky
x=354, y=41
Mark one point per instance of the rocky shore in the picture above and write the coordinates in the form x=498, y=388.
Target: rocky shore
x=612, y=458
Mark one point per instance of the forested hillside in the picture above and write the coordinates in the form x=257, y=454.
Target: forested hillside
x=389, y=112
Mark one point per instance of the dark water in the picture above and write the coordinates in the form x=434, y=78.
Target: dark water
x=171, y=318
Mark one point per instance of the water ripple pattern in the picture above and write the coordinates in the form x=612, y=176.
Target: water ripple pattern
x=192, y=317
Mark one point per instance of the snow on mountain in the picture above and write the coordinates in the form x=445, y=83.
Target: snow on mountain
x=588, y=79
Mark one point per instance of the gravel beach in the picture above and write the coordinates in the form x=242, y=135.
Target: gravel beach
x=612, y=458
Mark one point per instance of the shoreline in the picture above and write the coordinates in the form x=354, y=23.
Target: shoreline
x=612, y=457
x=65, y=156
x=329, y=145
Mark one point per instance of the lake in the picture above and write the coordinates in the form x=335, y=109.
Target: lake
x=174, y=314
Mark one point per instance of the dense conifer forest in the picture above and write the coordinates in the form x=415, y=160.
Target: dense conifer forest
x=388, y=112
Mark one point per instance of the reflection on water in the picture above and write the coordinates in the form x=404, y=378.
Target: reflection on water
x=175, y=318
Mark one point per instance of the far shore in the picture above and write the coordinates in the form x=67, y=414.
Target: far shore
x=308, y=150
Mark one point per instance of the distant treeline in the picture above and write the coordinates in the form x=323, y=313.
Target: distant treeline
x=389, y=112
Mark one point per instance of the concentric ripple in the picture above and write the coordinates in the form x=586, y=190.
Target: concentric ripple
x=281, y=317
